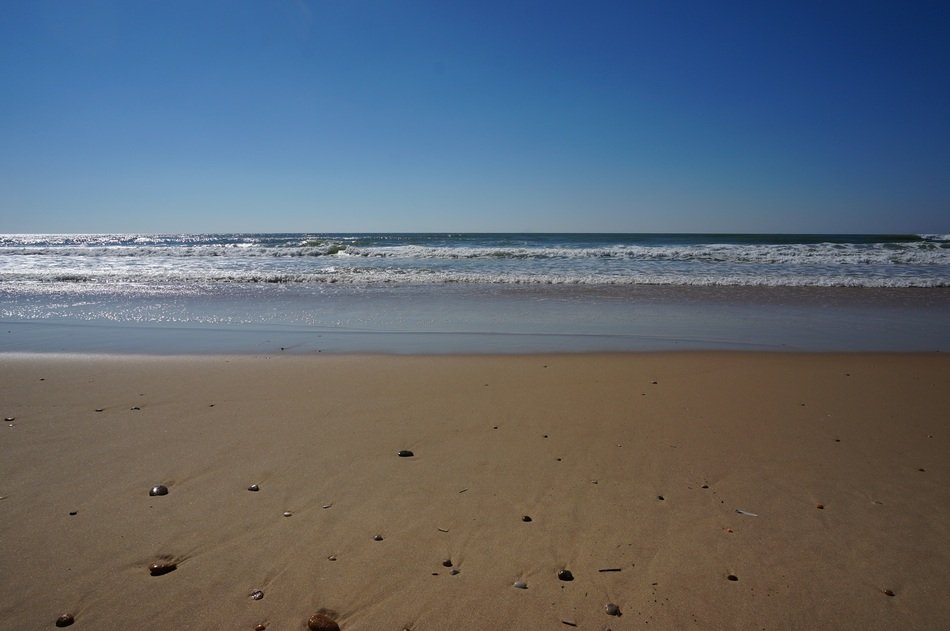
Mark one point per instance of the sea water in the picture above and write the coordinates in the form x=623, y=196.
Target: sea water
x=190, y=293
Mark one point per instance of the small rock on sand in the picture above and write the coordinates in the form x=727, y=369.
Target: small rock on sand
x=405, y=453
x=612, y=609
x=65, y=620
x=320, y=622
x=565, y=575
x=520, y=585
x=254, y=487
x=164, y=567
x=159, y=489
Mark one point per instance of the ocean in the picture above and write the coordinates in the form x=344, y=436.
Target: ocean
x=363, y=292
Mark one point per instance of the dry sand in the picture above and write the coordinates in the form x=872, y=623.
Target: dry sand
x=629, y=462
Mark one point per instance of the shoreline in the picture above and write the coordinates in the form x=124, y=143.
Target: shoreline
x=635, y=462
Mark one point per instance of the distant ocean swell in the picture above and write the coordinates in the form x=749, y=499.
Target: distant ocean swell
x=663, y=259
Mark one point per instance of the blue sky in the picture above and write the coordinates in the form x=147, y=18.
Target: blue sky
x=333, y=115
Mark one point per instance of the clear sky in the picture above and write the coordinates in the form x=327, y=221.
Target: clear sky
x=548, y=115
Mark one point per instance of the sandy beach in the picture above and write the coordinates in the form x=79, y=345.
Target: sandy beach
x=690, y=490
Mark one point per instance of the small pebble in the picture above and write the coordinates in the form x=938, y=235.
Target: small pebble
x=254, y=488
x=405, y=453
x=73, y=513
x=520, y=585
x=447, y=563
x=260, y=627
x=733, y=577
x=705, y=486
x=10, y=419
x=565, y=575
x=287, y=513
x=65, y=620
x=332, y=557
x=159, y=569
x=377, y=537
x=454, y=571
x=99, y=409
x=135, y=408
x=660, y=497
x=820, y=507
x=525, y=518
x=256, y=594
x=320, y=622
x=161, y=489
x=887, y=592
x=612, y=609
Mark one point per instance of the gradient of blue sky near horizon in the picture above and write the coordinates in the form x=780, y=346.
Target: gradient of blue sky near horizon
x=283, y=115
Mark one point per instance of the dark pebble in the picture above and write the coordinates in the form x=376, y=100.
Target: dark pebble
x=65, y=620
x=160, y=569
x=820, y=507
x=454, y=572
x=733, y=577
x=260, y=627
x=612, y=609
x=256, y=594
x=405, y=453
x=254, y=488
x=447, y=563
x=705, y=486
x=73, y=513
x=525, y=518
x=158, y=490
x=377, y=537
x=520, y=585
x=887, y=592
x=10, y=419
x=565, y=575
x=99, y=409
x=134, y=408
x=320, y=622
x=660, y=497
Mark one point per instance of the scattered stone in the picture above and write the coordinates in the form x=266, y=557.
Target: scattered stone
x=660, y=497
x=254, y=487
x=162, y=568
x=135, y=408
x=612, y=609
x=73, y=513
x=10, y=419
x=321, y=622
x=256, y=594
x=525, y=518
x=545, y=435
x=569, y=623
x=99, y=409
x=442, y=529
x=327, y=505
x=405, y=453
x=705, y=486
x=377, y=537
x=520, y=585
x=887, y=592
x=65, y=620
x=820, y=507
x=260, y=627
x=447, y=563
x=921, y=470
x=159, y=489
x=454, y=571
x=287, y=513
x=332, y=557
x=565, y=575
x=733, y=577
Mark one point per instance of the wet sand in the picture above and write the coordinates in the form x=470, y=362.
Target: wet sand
x=693, y=490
